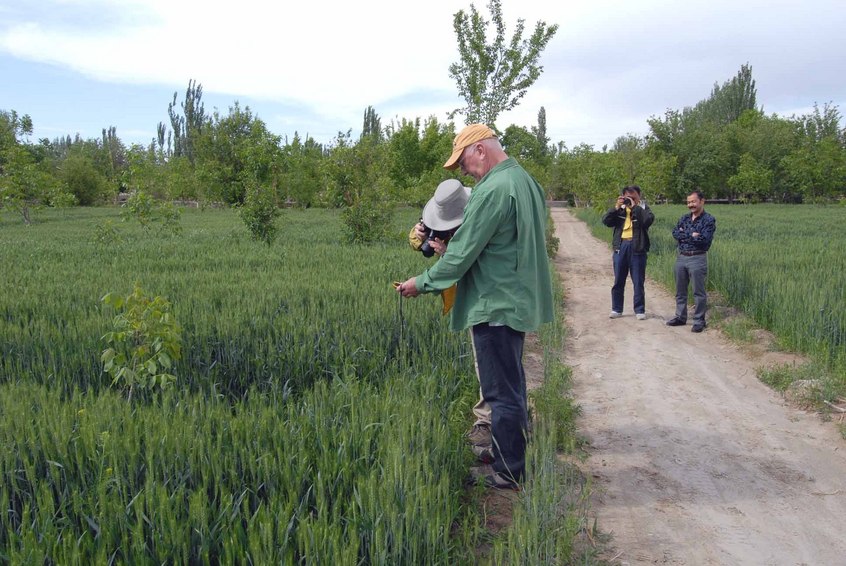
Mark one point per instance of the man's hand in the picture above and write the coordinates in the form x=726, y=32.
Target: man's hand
x=420, y=228
x=439, y=246
x=408, y=288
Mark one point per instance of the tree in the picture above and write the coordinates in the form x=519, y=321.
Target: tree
x=24, y=183
x=259, y=213
x=372, y=126
x=729, y=101
x=144, y=342
x=492, y=78
x=752, y=181
x=630, y=153
x=299, y=179
x=237, y=151
x=82, y=179
x=540, y=132
x=188, y=126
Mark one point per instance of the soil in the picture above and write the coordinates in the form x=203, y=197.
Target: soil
x=692, y=459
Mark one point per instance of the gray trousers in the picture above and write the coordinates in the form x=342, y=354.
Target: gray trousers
x=691, y=269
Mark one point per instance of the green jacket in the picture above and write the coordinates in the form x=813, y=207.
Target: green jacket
x=498, y=255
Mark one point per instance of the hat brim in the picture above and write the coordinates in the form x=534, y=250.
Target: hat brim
x=452, y=162
x=434, y=222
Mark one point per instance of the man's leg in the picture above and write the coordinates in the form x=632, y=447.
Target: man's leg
x=682, y=281
x=499, y=352
x=638, y=280
x=620, y=259
x=699, y=276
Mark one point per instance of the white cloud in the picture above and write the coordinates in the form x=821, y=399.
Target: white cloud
x=612, y=64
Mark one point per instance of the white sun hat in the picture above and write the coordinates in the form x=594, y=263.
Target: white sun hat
x=445, y=210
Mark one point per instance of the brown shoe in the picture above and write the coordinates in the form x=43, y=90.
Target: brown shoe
x=500, y=481
x=480, y=435
x=484, y=454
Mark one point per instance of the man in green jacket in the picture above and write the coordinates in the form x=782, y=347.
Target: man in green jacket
x=498, y=258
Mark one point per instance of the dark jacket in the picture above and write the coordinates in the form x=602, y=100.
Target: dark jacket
x=642, y=219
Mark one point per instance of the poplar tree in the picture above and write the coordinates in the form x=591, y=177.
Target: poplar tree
x=492, y=78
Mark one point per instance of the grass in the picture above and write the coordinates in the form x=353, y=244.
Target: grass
x=316, y=418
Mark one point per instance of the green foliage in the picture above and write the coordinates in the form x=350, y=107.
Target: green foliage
x=148, y=212
x=300, y=175
x=752, y=179
x=24, y=185
x=107, y=234
x=234, y=152
x=61, y=199
x=82, y=179
x=552, y=241
x=189, y=125
x=144, y=342
x=297, y=432
x=492, y=78
x=372, y=125
x=367, y=220
x=141, y=207
x=259, y=213
x=727, y=102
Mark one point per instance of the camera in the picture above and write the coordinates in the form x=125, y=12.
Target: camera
x=426, y=248
x=627, y=201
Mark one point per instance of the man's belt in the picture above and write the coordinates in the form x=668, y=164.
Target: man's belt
x=697, y=252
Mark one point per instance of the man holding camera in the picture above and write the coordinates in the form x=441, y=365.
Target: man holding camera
x=630, y=217
x=498, y=257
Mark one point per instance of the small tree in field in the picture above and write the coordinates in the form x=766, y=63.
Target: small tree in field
x=259, y=213
x=144, y=342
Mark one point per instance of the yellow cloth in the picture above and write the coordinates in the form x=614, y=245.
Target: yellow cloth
x=627, y=225
x=447, y=295
x=413, y=240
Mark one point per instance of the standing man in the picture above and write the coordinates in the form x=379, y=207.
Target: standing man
x=498, y=257
x=630, y=218
x=694, y=234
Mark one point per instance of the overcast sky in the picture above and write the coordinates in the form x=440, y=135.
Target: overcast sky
x=78, y=66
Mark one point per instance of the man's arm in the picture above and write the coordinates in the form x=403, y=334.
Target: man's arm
x=706, y=231
x=482, y=218
x=644, y=213
x=679, y=233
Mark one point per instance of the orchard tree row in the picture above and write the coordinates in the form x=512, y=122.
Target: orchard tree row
x=725, y=145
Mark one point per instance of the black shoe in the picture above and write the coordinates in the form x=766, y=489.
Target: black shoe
x=676, y=321
x=698, y=327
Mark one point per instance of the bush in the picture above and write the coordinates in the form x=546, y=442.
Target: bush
x=259, y=213
x=367, y=220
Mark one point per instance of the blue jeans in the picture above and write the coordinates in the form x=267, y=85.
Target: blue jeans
x=627, y=261
x=499, y=355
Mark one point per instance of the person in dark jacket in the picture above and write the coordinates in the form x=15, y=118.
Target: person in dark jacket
x=694, y=234
x=630, y=218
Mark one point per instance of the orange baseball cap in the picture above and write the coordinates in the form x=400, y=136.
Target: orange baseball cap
x=465, y=138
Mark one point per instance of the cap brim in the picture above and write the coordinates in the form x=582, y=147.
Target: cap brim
x=452, y=162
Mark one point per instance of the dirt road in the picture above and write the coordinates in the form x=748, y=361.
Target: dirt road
x=693, y=460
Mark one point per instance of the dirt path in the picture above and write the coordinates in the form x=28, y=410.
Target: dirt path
x=693, y=460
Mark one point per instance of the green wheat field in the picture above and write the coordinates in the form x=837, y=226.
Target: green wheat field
x=314, y=417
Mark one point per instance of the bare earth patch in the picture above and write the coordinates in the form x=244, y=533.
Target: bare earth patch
x=693, y=460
